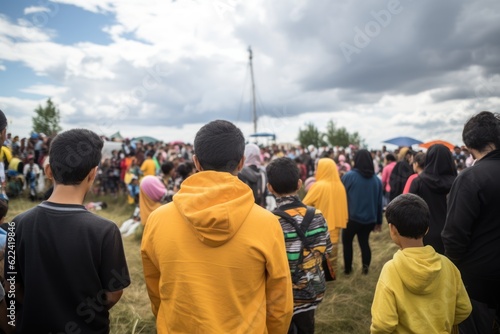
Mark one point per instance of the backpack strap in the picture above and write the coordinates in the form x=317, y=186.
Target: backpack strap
x=302, y=229
x=301, y=232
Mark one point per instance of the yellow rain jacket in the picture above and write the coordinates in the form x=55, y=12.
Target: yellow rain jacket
x=215, y=262
x=329, y=196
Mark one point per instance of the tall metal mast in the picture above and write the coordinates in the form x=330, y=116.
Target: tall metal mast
x=253, y=91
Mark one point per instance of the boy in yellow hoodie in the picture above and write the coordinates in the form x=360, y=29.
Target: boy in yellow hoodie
x=214, y=261
x=419, y=290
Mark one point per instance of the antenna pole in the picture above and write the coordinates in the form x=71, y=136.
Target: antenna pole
x=253, y=91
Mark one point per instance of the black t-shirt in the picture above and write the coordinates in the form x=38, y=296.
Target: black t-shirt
x=66, y=258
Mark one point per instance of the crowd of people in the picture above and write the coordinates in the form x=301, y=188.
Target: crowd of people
x=259, y=222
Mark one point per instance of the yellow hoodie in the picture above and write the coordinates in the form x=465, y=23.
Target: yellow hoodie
x=329, y=196
x=419, y=291
x=215, y=262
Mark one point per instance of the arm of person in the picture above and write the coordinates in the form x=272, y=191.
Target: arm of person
x=384, y=310
x=463, y=304
x=464, y=207
x=113, y=273
x=380, y=196
x=112, y=297
x=151, y=272
x=279, y=296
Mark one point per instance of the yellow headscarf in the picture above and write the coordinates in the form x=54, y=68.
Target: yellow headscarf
x=328, y=195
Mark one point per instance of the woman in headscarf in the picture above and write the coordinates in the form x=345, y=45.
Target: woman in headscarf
x=401, y=172
x=152, y=194
x=433, y=185
x=328, y=195
x=364, y=199
x=253, y=175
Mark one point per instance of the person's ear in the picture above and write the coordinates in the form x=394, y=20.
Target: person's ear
x=197, y=164
x=427, y=231
x=48, y=172
x=92, y=175
x=299, y=184
x=270, y=188
x=241, y=164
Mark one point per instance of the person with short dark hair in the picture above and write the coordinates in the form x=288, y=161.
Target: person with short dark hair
x=308, y=284
x=213, y=260
x=471, y=235
x=70, y=265
x=418, y=283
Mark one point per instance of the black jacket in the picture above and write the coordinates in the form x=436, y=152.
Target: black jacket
x=471, y=235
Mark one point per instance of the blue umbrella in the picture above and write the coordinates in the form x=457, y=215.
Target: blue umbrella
x=402, y=141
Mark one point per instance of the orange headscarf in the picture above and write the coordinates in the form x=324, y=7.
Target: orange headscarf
x=328, y=195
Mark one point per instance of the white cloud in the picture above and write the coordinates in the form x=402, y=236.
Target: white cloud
x=35, y=9
x=2, y=67
x=172, y=63
x=45, y=90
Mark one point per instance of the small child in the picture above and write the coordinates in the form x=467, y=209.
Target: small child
x=419, y=290
x=308, y=278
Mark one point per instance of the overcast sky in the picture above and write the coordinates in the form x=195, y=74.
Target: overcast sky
x=164, y=68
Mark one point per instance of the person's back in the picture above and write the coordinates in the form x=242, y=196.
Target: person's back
x=148, y=167
x=471, y=234
x=433, y=185
x=305, y=252
x=214, y=261
x=70, y=266
x=253, y=175
x=419, y=290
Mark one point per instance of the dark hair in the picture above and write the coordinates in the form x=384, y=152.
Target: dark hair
x=150, y=153
x=409, y=214
x=4, y=208
x=3, y=121
x=481, y=130
x=167, y=167
x=184, y=169
x=73, y=154
x=390, y=157
x=283, y=175
x=419, y=158
x=219, y=146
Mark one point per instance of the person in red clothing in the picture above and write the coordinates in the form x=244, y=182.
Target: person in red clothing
x=418, y=167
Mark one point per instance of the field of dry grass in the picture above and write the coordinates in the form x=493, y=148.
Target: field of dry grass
x=345, y=309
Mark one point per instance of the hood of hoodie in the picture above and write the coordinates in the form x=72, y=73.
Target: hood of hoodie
x=418, y=268
x=215, y=205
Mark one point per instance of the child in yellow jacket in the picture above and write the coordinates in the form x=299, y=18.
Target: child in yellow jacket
x=419, y=290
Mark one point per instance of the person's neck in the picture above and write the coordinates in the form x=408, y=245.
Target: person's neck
x=64, y=194
x=285, y=195
x=481, y=154
x=409, y=242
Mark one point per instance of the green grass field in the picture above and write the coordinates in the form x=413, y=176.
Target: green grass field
x=345, y=309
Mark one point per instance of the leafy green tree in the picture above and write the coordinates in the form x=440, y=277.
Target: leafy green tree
x=310, y=136
x=47, y=119
x=340, y=136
